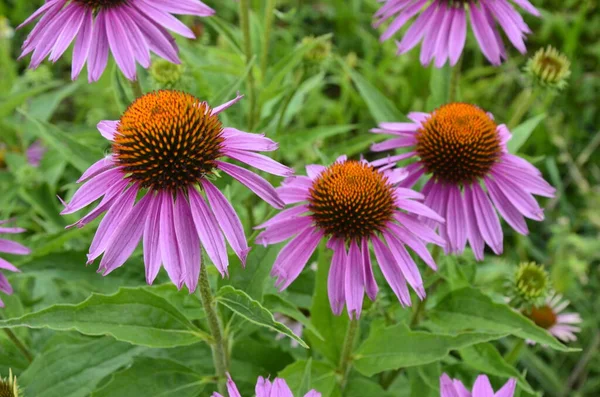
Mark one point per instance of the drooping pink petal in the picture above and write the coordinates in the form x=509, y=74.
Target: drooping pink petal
x=336, y=278
x=169, y=246
x=283, y=230
x=93, y=190
x=257, y=184
x=12, y=247
x=391, y=271
x=259, y=161
x=354, y=281
x=152, y=254
x=189, y=242
x=369, y=279
x=227, y=105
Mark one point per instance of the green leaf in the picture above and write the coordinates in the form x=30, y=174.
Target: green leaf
x=304, y=386
x=381, y=108
x=74, y=370
x=469, y=309
x=13, y=100
x=123, y=93
x=277, y=304
x=153, y=377
x=78, y=154
x=131, y=315
x=359, y=386
x=522, y=132
x=484, y=357
x=439, y=87
x=398, y=346
x=43, y=106
x=242, y=304
x=322, y=375
x=252, y=277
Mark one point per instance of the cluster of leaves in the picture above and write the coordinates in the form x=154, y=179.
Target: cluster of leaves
x=327, y=81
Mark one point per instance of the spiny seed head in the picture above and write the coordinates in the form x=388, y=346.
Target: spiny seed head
x=543, y=316
x=98, y=4
x=351, y=200
x=531, y=285
x=458, y=143
x=8, y=386
x=549, y=68
x=166, y=140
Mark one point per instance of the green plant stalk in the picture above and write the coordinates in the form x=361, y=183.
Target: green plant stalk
x=20, y=345
x=245, y=27
x=523, y=109
x=454, y=78
x=136, y=87
x=512, y=357
x=346, y=356
x=269, y=14
x=214, y=325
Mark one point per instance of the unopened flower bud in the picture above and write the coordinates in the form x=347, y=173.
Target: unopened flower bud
x=549, y=68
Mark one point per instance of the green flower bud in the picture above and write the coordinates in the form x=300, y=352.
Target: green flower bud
x=531, y=285
x=320, y=51
x=165, y=73
x=549, y=68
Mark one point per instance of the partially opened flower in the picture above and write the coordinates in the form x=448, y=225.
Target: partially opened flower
x=9, y=247
x=130, y=29
x=442, y=26
x=166, y=148
x=265, y=388
x=351, y=204
x=551, y=317
x=481, y=388
x=472, y=175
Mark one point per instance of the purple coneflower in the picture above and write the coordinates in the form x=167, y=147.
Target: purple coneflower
x=265, y=388
x=130, y=29
x=166, y=148
x=9, y=247
x=350, y=204
x=481, y=388
x=463, y=150
x=551, y=317
x=442, y=26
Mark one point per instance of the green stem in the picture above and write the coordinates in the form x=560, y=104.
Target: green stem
x=218, y=344
x=269, y=14
x=20, y=345
x=512, y=357
x=245, y=26
x=523, y=109
x=136, y=87
x=346, y=356
x=454, y=78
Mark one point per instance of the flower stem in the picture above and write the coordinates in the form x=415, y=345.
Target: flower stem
x=269, y=14
x=20, y=345
x=454, y=78
x=136, y=87
x=512, y=357
x=245, y=26
x=346, y=356
x=218, y=344
x=523, y=109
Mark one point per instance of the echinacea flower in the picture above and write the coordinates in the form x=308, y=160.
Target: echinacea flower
x=349, y=204
x=481, y=388
x=551, y=317
x=130, y=29
x=472, y=175
x=265, y=388
x=9, y=247
x=549, y=68
x=442, y=26
x=166, y=148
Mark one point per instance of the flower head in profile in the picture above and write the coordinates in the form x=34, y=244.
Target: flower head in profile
x=481, y=388
x=129, y=29
x=166, y=148
x=551, y=317
x=265, y=388
x=9, y=386
x=472, y=175
x=441, y=25
x=9, y=247
x=351, y=204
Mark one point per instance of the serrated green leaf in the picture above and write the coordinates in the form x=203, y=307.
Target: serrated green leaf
x=74, y=370
x=469, y=309
x=484, y=357
x=153, y=377
x=131, y=315
x=522, y=132
x=398, y=346
x=243, y=305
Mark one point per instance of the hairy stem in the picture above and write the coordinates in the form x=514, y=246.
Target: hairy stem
x=245, y=27
x=346, y=356
x=218, y=345
x=20, y=345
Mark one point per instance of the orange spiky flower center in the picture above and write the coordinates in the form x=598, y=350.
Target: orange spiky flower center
x=543, y=317
x=458, y=144
x=351, y=200
x=166, y=140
